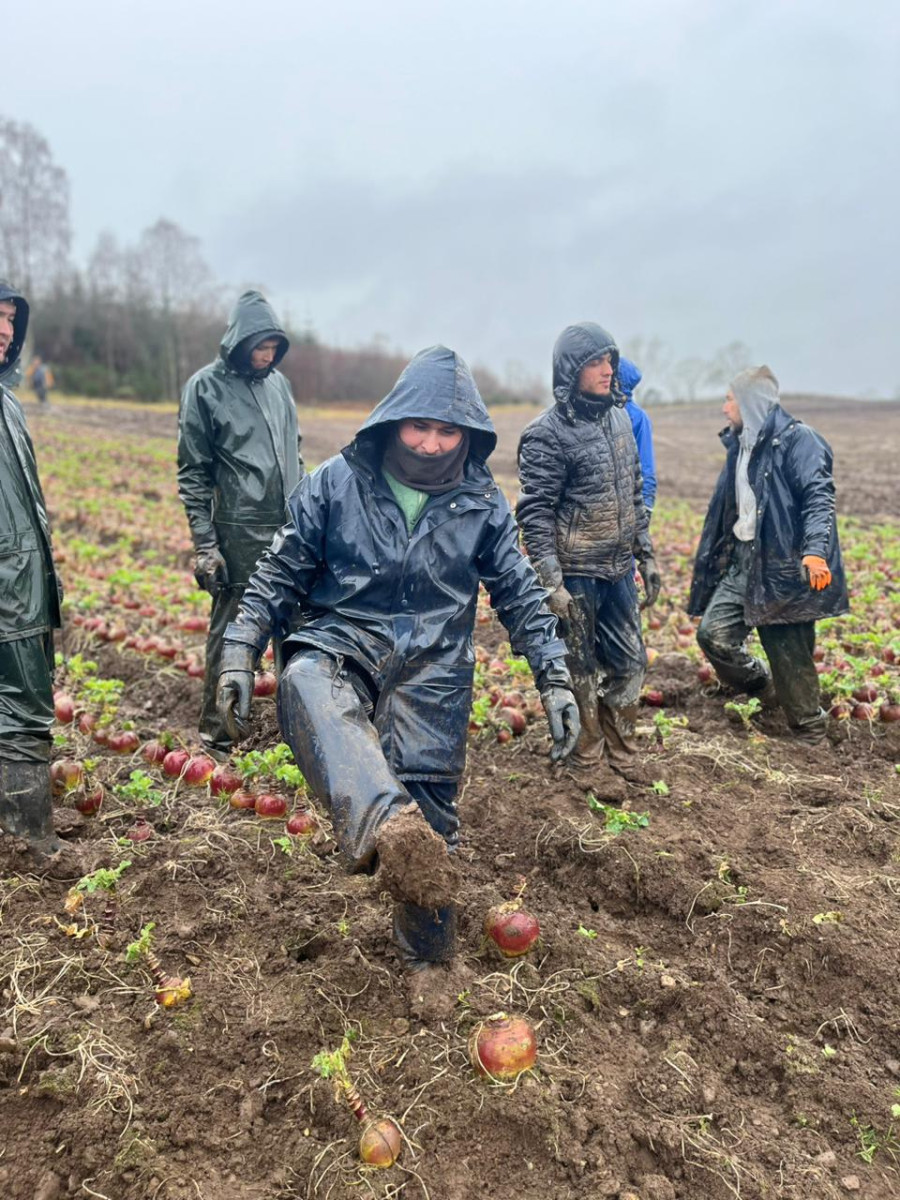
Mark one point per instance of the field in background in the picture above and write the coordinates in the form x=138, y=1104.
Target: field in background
x=715, y=991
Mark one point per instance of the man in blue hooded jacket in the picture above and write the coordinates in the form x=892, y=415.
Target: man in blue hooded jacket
x=384, y=550
x=641, y=427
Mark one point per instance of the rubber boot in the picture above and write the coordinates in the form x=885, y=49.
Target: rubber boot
x=811, y=731
x=589, y=748
x=26, y=806
x=587, y=766
x=621, y=745
x=424, y=936
x=766, y=694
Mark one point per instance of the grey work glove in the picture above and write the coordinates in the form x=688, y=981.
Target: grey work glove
x=652, y=582
x=559, y=602
x=235, y=688
x=210, y=570
x=562, y=717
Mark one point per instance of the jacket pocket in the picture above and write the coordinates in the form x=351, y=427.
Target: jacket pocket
x=424, y=719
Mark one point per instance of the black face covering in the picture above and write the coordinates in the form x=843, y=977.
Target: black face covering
x=432, y=473
x=592, y=406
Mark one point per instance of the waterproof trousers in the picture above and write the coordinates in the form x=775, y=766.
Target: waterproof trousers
x=722, y=636
x=26, y=714
x=325, y=711
x=224, y=610
x=26, y=699
x=607, y=659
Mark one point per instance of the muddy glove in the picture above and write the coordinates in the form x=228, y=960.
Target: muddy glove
x=652, y=582
x=235, y=688
x=559, y=602
x=209, y=569
x=816, y=571
x=562, y=717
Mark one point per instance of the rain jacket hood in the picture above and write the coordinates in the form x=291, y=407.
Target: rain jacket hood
x=436, y=385
x=756, y=391
x=629, y=377
x=575, y=346
x=252, y=320
x=20, y=329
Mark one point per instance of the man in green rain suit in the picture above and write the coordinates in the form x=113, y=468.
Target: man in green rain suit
x=29, y=610
x=238, y=461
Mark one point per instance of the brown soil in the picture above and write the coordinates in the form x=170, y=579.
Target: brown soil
x=715, y=995
x=414, y=862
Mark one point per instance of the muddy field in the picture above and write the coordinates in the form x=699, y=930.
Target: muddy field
x=715, y=992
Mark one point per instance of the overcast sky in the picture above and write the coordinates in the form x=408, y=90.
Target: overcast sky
x=483, y=172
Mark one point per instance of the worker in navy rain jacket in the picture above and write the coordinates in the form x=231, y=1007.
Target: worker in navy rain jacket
x=30, y=601
x=584, y=523
x=642, y=428
x=384, y=549
x=769, y=557
x=238, y=461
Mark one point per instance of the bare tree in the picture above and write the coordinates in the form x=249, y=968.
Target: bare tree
x=105, y=279
x=173, y=270
x=34, y=208
x=687, y=377
x=728, y=361
x=173, y=266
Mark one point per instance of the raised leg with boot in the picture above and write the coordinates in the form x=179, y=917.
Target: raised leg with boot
x=324, y=709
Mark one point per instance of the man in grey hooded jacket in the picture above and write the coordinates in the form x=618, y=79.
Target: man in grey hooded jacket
x=238, y=461
x=769, y=556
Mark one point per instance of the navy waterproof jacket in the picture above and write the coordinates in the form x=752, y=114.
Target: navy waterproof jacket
x=791, y=473
x=641, y=427
x=401, y=605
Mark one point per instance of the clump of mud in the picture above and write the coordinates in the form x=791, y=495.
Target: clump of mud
x=415, y=865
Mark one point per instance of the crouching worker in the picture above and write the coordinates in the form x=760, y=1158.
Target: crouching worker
x=384, y=547
x=29, y=611
x=769, y=556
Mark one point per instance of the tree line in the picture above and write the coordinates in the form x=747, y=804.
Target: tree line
x=136, y=320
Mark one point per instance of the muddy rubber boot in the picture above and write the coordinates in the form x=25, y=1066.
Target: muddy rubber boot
x=415, y=865
x=26, y=806
x=813, y=731
x=621, y=744
x=589, y=748
x=766, y=695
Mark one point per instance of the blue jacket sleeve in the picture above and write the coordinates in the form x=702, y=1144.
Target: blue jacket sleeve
x=643, y=435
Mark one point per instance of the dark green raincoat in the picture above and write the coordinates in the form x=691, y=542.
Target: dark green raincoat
x=238, y=461
x=239, y=444
x=30, y=597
